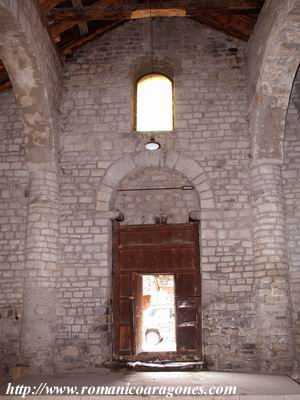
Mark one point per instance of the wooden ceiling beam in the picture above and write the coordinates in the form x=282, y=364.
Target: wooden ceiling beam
x=70, y=47
x=64, y=25
x=47, y=5
x=4, y=78
x=83, y=26
x=233, y=25
x=5, y=86
x=58, y=29
x=190, y=8
x=234, y=17
x=2, y=67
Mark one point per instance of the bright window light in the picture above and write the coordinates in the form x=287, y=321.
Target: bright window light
x=154, y=104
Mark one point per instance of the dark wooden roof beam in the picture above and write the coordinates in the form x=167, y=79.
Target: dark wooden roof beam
x=190, y=8
x=83, y=26
x=2, y=68
x=66, y=24
x=69, y=48
x=47, y=5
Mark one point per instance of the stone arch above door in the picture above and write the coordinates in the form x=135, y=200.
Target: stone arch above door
x=165, y=202
x=171, y=160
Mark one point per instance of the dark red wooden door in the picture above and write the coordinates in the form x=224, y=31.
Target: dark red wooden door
x=187, y=313
x=156, y=249
x=137, y=312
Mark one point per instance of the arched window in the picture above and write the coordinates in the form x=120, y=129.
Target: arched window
x=154, y=104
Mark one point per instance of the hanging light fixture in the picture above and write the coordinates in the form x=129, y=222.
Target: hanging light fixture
x=153, y=144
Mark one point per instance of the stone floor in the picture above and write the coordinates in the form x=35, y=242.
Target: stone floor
x=249, y=386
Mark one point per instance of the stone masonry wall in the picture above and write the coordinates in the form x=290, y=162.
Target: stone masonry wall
x=97, y=144
x=33, y=65
x=13, y=216
x=291, y=183
x=211, y=129
x=149, y=207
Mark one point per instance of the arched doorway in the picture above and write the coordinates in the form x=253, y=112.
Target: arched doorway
x=156, y=268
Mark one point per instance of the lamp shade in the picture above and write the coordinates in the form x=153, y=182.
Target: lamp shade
x=152, y=145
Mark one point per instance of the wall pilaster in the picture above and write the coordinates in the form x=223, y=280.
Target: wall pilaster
x=38, y=329
x=272, y=292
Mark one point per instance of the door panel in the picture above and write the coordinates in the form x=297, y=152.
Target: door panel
x=187, y=339
x=186, y=315
x=186, y=285
x=187, y=300
x=138, y=312
x=124, y=285
x=125, y=311
x=161, y=249
x=125, y=339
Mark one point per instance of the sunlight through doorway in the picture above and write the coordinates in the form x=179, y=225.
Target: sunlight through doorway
x=158, y=321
